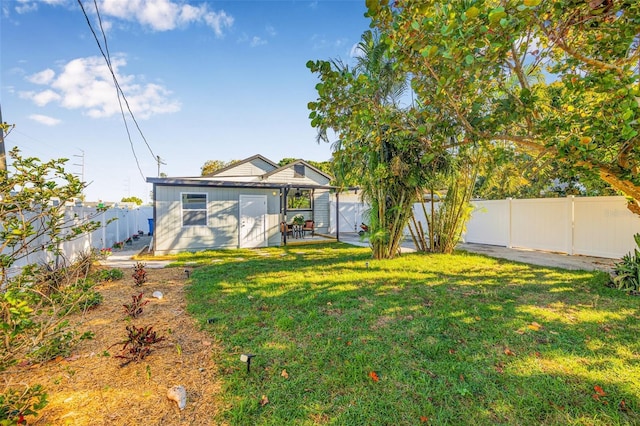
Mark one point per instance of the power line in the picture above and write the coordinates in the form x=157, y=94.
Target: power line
x=120, y=92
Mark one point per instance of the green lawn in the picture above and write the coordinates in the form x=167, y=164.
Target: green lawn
x=342, y=339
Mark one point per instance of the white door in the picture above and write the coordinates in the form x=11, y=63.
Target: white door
x=253, y=221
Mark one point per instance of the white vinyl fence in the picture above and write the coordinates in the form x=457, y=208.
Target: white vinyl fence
x=592, y=226
x=128, y=221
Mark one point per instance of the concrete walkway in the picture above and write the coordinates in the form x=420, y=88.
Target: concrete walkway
x=532, y=257
x=123, y=258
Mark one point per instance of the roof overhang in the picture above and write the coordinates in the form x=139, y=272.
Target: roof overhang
x=232, y=184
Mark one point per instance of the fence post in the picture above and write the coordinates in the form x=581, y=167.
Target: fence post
x=571, y=200
x=509, y=221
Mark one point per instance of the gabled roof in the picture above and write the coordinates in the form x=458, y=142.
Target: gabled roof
x=241, y=162
x=279, y=169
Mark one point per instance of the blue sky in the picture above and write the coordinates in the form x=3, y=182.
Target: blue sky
x=205, y=81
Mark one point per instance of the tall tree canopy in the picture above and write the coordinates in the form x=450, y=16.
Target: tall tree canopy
x=557, y=78
x=362, y=104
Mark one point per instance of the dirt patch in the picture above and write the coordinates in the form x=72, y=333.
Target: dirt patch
x=91, y=388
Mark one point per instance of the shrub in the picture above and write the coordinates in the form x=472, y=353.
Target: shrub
x=138, y=344
x=134, y=309
x=16, y=404
x=626, y=273
x=109, y=275
x=139, y=274
x=58, y=344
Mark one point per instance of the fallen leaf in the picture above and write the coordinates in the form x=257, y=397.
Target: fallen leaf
x=535, y=326
x=284, y=374
x=509, y=352
x=599, y=390
x=623, y=406
x=520, y=331
x=461, y=377
x=424, y=419
x=499, y=368
x=374, y=376
x=264, y=400
x=452, y=351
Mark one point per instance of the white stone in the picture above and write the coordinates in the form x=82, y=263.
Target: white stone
x=158, y=294
x=179, y=395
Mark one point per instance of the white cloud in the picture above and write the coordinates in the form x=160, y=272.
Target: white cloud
x=45, y=119
x=218, y=21
x=271, y=31
x=42, y=77
x=165, y=15
x=87, y=84
x=257, y=41
x=26, y=6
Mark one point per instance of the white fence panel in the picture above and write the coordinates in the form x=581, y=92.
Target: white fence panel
x=542, y=224
x=489, y=223
x=350, y=216
x=604, y=227
x=128, y=222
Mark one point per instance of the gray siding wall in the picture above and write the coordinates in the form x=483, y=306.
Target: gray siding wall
x=321, y=210
x=256, y=167
x=287, y=176
x=221, y=232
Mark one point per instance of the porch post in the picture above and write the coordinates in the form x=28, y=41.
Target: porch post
x=285, y=192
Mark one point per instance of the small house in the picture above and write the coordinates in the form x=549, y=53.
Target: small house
x=244, y=205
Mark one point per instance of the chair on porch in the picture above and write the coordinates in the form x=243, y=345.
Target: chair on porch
x=284, y=227
x=308, y=226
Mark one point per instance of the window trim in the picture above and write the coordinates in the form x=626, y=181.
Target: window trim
x=205, y=210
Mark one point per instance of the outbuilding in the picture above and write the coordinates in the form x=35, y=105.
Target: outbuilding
x=244, y=205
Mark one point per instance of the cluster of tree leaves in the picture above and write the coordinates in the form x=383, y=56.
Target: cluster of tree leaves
x=211, y=166
x=132, y=199
x=556, y=80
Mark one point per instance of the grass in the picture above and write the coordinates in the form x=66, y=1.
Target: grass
x=342, y=339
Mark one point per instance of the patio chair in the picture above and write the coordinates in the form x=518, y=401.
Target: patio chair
x=284, y=227
x=308, y=226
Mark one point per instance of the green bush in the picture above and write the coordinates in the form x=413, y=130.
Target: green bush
x=58, y=344
x=16, y=404
x=626, y=273
x=109, y=275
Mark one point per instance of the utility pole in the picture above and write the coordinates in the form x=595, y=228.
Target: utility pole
x=159, y=160
x=3, y=154
x=81, y=156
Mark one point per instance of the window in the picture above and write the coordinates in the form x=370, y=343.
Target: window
x=298, y=170
x=299, y=199
x=194, y=209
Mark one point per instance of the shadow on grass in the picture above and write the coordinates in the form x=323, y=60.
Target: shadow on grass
x=455, y=339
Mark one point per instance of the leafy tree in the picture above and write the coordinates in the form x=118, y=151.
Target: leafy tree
x=362, y=104
x=553, y=78
x=212, y=166
x=32, y=299
x=136, y=200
